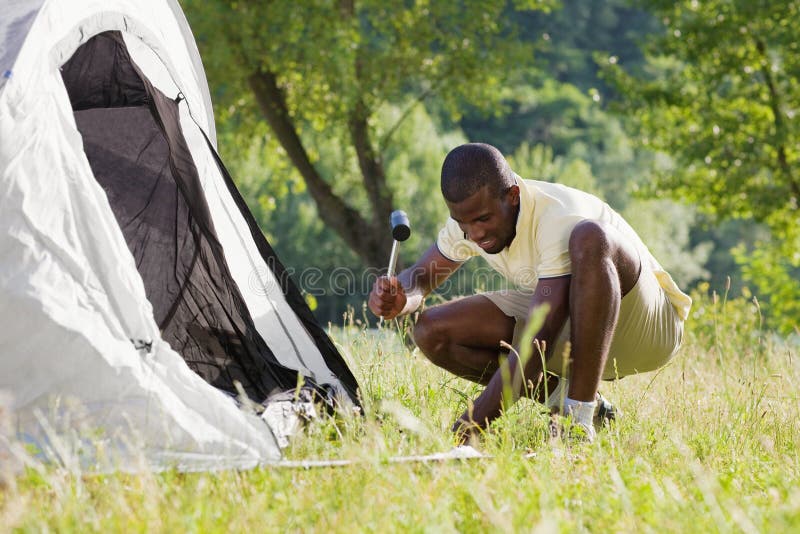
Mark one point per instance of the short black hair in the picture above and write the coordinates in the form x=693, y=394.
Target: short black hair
x=468, y=168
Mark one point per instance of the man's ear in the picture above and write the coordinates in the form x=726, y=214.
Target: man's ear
x=513, y=193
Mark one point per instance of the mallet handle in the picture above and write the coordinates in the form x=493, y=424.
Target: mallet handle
x=392, y=260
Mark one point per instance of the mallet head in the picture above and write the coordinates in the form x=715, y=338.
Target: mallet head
x=401, y=228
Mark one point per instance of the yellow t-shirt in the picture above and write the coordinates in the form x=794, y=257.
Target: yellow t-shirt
x=547, y=215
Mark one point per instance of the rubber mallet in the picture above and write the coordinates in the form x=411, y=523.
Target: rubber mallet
x=401, y=230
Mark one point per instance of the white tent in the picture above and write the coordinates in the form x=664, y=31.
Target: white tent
x=107, y=166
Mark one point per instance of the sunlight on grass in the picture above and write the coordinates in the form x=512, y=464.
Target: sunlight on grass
x=708, y=444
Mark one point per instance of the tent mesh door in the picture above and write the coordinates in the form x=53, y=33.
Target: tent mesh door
x=132, y=138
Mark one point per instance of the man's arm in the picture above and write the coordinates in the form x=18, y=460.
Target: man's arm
x=389, y=295
x=553, y=292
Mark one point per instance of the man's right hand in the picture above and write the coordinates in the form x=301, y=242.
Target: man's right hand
x=387, y=298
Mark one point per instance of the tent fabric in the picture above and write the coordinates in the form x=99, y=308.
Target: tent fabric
x=19, y=15
x=99, y=347
x=334, y=362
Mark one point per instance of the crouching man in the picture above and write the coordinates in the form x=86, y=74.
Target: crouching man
x=605, y=293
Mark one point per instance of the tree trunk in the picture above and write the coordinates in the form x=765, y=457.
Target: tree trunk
x=370, y=239
x=372, y=172
x=780, y=124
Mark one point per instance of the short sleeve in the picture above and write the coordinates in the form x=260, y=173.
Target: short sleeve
x=452, y=243
x=553, y=246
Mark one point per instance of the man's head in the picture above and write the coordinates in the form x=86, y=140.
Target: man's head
x=470, y=167
x=481, y=193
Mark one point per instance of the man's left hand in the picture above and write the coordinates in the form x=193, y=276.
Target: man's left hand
x=466, y=430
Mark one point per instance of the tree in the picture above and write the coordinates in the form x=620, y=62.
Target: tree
x=571, y=35
x=321, y=69
x=721, y=96
x=324, y=269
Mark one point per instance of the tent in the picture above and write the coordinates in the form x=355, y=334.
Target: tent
x=138, y=297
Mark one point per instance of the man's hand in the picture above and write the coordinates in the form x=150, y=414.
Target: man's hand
x=387, y=298
x=466, y=430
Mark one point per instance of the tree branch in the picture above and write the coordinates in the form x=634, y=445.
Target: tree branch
x=384, y=142
x=371, y=165
x=780, y=125
x=343, y=219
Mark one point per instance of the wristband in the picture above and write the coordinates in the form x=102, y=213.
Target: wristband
x=414, y=299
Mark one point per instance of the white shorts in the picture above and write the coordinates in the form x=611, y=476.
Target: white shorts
x=648, y=333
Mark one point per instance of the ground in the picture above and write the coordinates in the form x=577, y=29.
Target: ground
x=708, y=444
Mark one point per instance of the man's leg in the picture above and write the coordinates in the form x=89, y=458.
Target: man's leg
x=605, y=267
x=463, y=336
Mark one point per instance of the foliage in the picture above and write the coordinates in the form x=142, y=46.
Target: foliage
x=570, y=36
x=547, y=112
x=724, y=270
x=319, y=70
x=720, y=97
x=778, y=282
x=664, y=226
x=573, y=126
x=320, y=264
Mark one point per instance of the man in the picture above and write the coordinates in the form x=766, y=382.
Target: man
x=611, y=309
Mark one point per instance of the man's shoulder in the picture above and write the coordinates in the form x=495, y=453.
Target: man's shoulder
x=550, y=202
x=557, y=190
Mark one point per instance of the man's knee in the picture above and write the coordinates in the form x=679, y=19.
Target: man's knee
x=589, y=243
x=431, y=335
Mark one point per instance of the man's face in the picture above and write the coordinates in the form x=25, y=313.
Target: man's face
x=487, y=220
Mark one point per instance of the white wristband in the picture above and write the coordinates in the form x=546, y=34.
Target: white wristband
x=414, y=299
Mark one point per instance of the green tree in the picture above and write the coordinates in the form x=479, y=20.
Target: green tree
x=720, y=97
x=318, y=70
x=767, y=269
x=665, y=226
x=324, y=269
x=569, y=37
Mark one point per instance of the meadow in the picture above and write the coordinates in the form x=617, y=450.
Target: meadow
x=707, y=444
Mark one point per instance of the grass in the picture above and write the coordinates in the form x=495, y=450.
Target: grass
x=708, y=444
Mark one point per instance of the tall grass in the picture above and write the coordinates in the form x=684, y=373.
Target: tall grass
x=707, y=444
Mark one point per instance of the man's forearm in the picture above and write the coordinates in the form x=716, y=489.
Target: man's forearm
x=428, y=272
x=416, y=278
x=489, y=405
x=486, y=407
x=554, y=294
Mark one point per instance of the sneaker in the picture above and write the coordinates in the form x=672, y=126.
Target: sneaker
x=605, y=413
